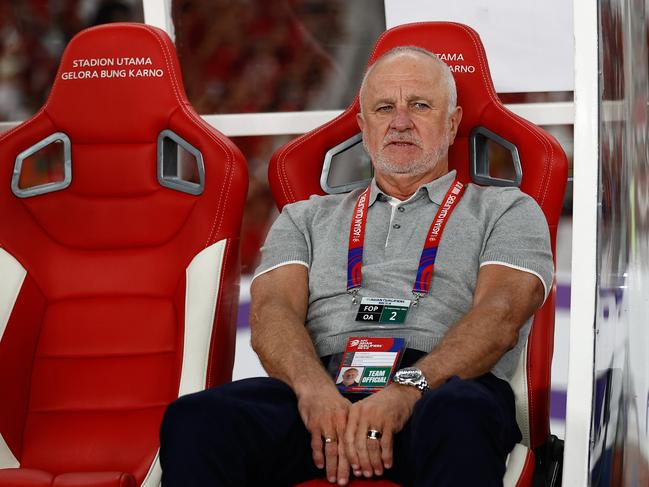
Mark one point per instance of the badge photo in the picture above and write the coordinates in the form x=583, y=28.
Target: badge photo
x=368, y=363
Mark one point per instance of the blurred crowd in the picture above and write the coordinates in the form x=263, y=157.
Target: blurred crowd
x=255, y=55
x=33, y=34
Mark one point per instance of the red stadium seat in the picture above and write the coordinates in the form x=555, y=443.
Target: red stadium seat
x=295, y=173
x=119, y=264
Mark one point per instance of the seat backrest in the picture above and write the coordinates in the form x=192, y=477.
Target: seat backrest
x=119, y=280
x=295, y=172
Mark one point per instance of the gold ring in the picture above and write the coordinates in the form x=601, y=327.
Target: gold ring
x=329, y=439
x=374, y=435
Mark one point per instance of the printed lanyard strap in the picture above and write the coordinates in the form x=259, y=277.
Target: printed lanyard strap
x=356, y=240
x=428, y=254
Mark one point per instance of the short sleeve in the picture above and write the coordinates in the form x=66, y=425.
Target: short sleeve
x=286, y=242
x=520, y=238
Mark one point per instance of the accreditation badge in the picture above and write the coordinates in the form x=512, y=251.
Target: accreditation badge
x=368, y=363
x=383, y=310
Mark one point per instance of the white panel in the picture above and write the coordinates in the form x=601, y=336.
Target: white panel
x=239, y=124
x=202, y=289
x=551, y=113
x=12, y=275
x=154, y=475
x=528, y=43
x=158, y=14
x=518, y=384
x=7, y=459
x=515, y=464
x=584, y=247
x=246, y=361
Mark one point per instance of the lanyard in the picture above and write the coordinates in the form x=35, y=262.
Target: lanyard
x=421, y=286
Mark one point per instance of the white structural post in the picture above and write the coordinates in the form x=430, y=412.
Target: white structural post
x=584, y=247
x=158, y=14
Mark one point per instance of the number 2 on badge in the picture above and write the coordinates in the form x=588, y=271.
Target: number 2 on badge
x=383, y=310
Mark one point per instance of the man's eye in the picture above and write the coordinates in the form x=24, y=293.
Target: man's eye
x=420, y=105
x=384, y=109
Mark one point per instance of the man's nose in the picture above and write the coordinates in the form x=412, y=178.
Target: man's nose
x=401, y=120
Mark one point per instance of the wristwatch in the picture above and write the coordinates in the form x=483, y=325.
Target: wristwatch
x=411, y=376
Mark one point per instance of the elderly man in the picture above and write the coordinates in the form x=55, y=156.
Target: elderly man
x=481, y=264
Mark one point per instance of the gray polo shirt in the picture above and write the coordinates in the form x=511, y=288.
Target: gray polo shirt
x=489, y=225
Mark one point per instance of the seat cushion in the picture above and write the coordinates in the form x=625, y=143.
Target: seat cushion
x=26, y=477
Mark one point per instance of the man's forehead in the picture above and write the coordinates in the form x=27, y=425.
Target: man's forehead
x=403, y=84
x=408, y=56
x=404, y=69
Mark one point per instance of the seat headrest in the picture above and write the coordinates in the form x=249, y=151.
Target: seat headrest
x=109, y=72
x=460, y=48
x=134, y=165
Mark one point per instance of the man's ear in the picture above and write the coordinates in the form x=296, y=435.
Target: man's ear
x=360, y=120
x=454, y=121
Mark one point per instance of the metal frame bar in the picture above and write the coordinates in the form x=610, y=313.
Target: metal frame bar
x=576, y=468
x=282, y=123
x=294, y=123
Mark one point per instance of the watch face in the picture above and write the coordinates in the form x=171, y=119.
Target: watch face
x=409, y=374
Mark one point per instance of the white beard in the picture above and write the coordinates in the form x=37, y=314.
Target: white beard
x=416, y=167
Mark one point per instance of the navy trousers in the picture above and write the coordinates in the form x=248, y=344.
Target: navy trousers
x=249, y=433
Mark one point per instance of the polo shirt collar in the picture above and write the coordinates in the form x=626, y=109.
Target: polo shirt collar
x=436, y=189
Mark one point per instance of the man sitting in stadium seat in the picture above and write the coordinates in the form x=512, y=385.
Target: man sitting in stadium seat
x=335, y=285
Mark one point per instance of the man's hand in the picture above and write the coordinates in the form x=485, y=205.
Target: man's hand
x=324, y=412
x=277, y=313
x=385, y=411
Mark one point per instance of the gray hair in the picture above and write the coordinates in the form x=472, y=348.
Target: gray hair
x=446, y=72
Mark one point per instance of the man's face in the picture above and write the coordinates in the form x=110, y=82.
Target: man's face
x=350, y=375
x=404, y=118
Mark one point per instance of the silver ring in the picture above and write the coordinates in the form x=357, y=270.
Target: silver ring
x=329, y=439
x=374, y=435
